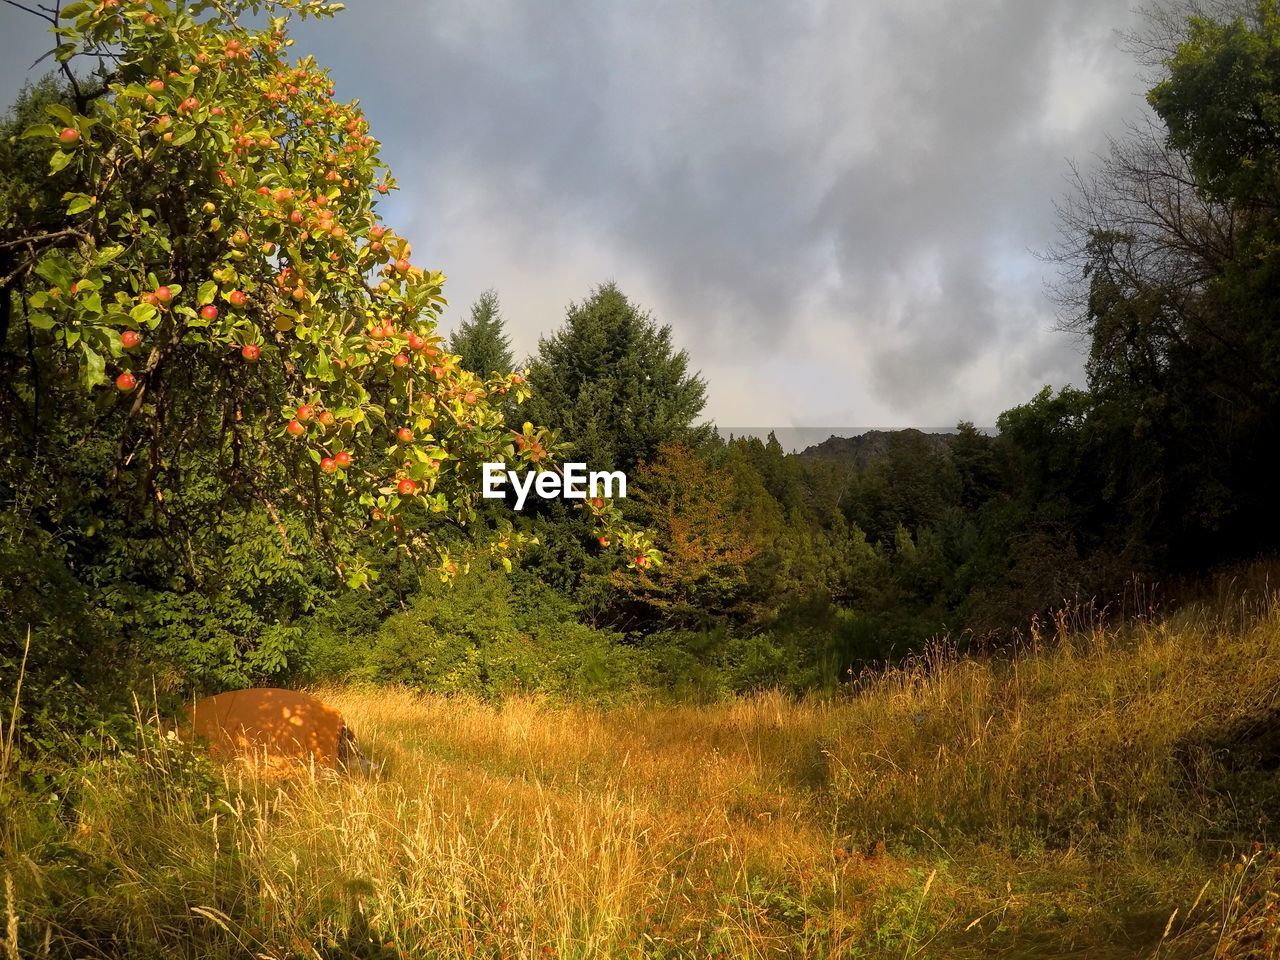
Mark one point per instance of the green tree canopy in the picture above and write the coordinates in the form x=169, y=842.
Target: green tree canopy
x=481, y=341
x=615, y=384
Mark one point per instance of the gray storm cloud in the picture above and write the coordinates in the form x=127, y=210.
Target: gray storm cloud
x=834, y=204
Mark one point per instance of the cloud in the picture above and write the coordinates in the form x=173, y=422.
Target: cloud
x=832, y=203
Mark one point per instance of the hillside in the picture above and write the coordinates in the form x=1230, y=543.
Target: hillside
x=1096, y=795
x=873, y=445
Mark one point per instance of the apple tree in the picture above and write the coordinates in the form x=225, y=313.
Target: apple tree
x=229, y=297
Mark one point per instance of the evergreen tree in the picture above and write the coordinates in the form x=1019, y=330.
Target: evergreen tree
x=482, y=341
x=615, y=383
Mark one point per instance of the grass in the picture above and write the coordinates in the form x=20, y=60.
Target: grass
x=1103, y=793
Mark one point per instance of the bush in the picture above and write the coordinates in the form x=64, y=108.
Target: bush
x=488, y=634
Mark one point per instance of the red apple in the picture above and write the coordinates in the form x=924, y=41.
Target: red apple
x=130, y=339
x=402, y=265
x=401, y=361
x=126, y=382
x=342, y=458
x=209, y=312
x=69, y=135
x=306, y=412
x=237, y=298
x=404, y=435
x=328, y=465
x=604, y=541
x=163, y=294
x=251, y=351
x=407, y=487
x=327, y=419
x=295, y=428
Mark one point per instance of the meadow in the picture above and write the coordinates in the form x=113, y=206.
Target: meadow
x=1102, y=792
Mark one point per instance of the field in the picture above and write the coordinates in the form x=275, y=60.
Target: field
x=1103, y=793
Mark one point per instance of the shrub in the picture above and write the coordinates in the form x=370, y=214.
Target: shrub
x=487, y=634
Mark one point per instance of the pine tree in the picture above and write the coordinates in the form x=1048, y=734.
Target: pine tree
x=482, y=341
x=612, y=382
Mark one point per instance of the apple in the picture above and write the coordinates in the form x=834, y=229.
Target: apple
x=406, y=487
x=401, y=361
x=251, y=351
x=295, y=428
x=327, y=419
x=342, y=458
x=416, y=342
x=237, y=298
x=402, y=265
x=209, y=312
x=130, y=339
x=328, y=465
x=641, y=561
x=163, y=294
x=604, y=541
x=404, y=435
x=306, y=412
x=69, y=135
x=189, y=105
x=126, y=382
x=470, y=398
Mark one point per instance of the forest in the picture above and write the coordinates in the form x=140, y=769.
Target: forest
x=239, y=449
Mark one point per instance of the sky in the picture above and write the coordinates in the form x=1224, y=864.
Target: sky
x=836, y=205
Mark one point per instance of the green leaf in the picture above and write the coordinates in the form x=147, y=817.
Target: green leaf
x=143, y=313
x=208, y=290
x=56, y=269
x=321, y=369
x=94, y=367
x=41, y=321
x=39, y=130
x=60, y=113
x=186, y=136
x=80, y=204
x=59, y=160
x=107, y=254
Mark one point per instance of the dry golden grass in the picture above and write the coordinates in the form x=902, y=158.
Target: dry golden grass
x=1069, y=798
